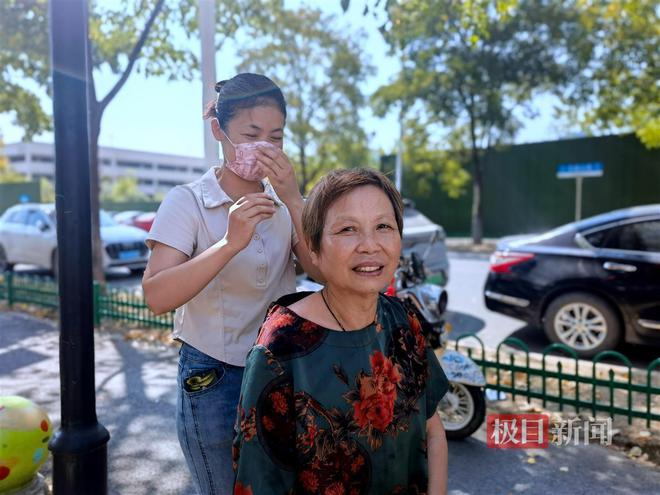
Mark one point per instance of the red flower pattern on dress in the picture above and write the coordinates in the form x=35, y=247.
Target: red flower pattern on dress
x=385, y=373
x=310, y=481
x=249, y=423
x=279, y=403
x=277, y=319
x=240, y=489
x=375, y=410
x=377, y=393
x=416, y=327
x=335, y=489
x=268, y=423
x=312, y=431
x=358, y=462
x=308, y=326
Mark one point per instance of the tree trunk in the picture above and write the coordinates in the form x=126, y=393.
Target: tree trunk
x=94, y=191
x=477, y=222
x=303, y=169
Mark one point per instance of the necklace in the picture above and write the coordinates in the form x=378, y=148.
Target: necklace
x=337, y=319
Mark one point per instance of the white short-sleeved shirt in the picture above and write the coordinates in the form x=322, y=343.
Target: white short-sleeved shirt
x=223, y=319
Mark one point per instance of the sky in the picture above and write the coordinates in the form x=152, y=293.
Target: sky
x=165, y=116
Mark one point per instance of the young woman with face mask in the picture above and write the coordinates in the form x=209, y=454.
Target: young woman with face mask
x=222, y=250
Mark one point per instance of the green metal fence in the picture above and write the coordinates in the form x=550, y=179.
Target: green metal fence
x=123, y=306
x=582, y=385
x=119, y=305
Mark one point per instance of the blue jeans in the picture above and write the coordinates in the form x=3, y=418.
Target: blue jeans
x=206, y=411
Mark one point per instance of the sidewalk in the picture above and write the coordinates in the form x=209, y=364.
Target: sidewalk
x=465, y=245
x=135, y=385
x=135, y=397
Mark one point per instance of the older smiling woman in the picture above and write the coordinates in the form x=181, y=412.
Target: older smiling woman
x=340, y=391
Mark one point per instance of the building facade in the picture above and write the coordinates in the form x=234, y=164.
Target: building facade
x=155, y=172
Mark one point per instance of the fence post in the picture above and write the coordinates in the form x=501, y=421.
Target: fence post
x=652, y=365
x=97, y=304
x=10, y=288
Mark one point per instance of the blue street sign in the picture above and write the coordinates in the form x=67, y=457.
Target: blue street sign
x=574, y=170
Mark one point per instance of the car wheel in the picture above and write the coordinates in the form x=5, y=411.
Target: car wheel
x=583, y=322
x=5, y=266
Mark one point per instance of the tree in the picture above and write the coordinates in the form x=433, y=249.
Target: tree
x=24, y=55
x=143, y=36
x=123, y=189
x=471, y=65
x=424, y=163
x=320, y=70
x=618, y=89
x=7, y=174
x=47, y=190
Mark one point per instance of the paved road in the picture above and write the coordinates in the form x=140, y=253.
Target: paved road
x=136, y=397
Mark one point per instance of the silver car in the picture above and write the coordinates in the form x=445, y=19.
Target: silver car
x=422, y=236
x=28, y=235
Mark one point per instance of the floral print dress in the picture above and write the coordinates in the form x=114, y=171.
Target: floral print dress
x=336, y=413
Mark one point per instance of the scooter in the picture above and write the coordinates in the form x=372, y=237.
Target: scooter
x=463, y=407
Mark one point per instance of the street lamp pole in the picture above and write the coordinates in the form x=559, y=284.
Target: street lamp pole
x=398, y=168
x=79, y=446
x=206, y=18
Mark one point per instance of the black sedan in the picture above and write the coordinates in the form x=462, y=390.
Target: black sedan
x=589, y=284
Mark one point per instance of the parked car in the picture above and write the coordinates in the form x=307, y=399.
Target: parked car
x=421, y=234
x=28, y=235
x=144, y=221
x=589, y=284
x=126, y=217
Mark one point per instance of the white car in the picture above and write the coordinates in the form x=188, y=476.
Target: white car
x=427, y=239
x=28, y=235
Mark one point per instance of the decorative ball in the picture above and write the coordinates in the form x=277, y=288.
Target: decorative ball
x=24, y=433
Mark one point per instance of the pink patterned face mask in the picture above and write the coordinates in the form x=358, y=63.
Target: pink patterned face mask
x=245, y=162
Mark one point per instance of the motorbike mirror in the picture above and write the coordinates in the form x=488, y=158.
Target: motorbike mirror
x=417, y=265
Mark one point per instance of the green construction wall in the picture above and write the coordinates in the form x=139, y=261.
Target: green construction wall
x=521, y=192
x=15, y=192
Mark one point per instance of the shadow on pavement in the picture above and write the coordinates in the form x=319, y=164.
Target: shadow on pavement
x=12, y=360
x=475, y=469
x=137, y=403
x=463, y=323
x=19, y=327
x=135, y=400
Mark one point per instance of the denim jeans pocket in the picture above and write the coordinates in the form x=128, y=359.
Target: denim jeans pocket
x=200, y=378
